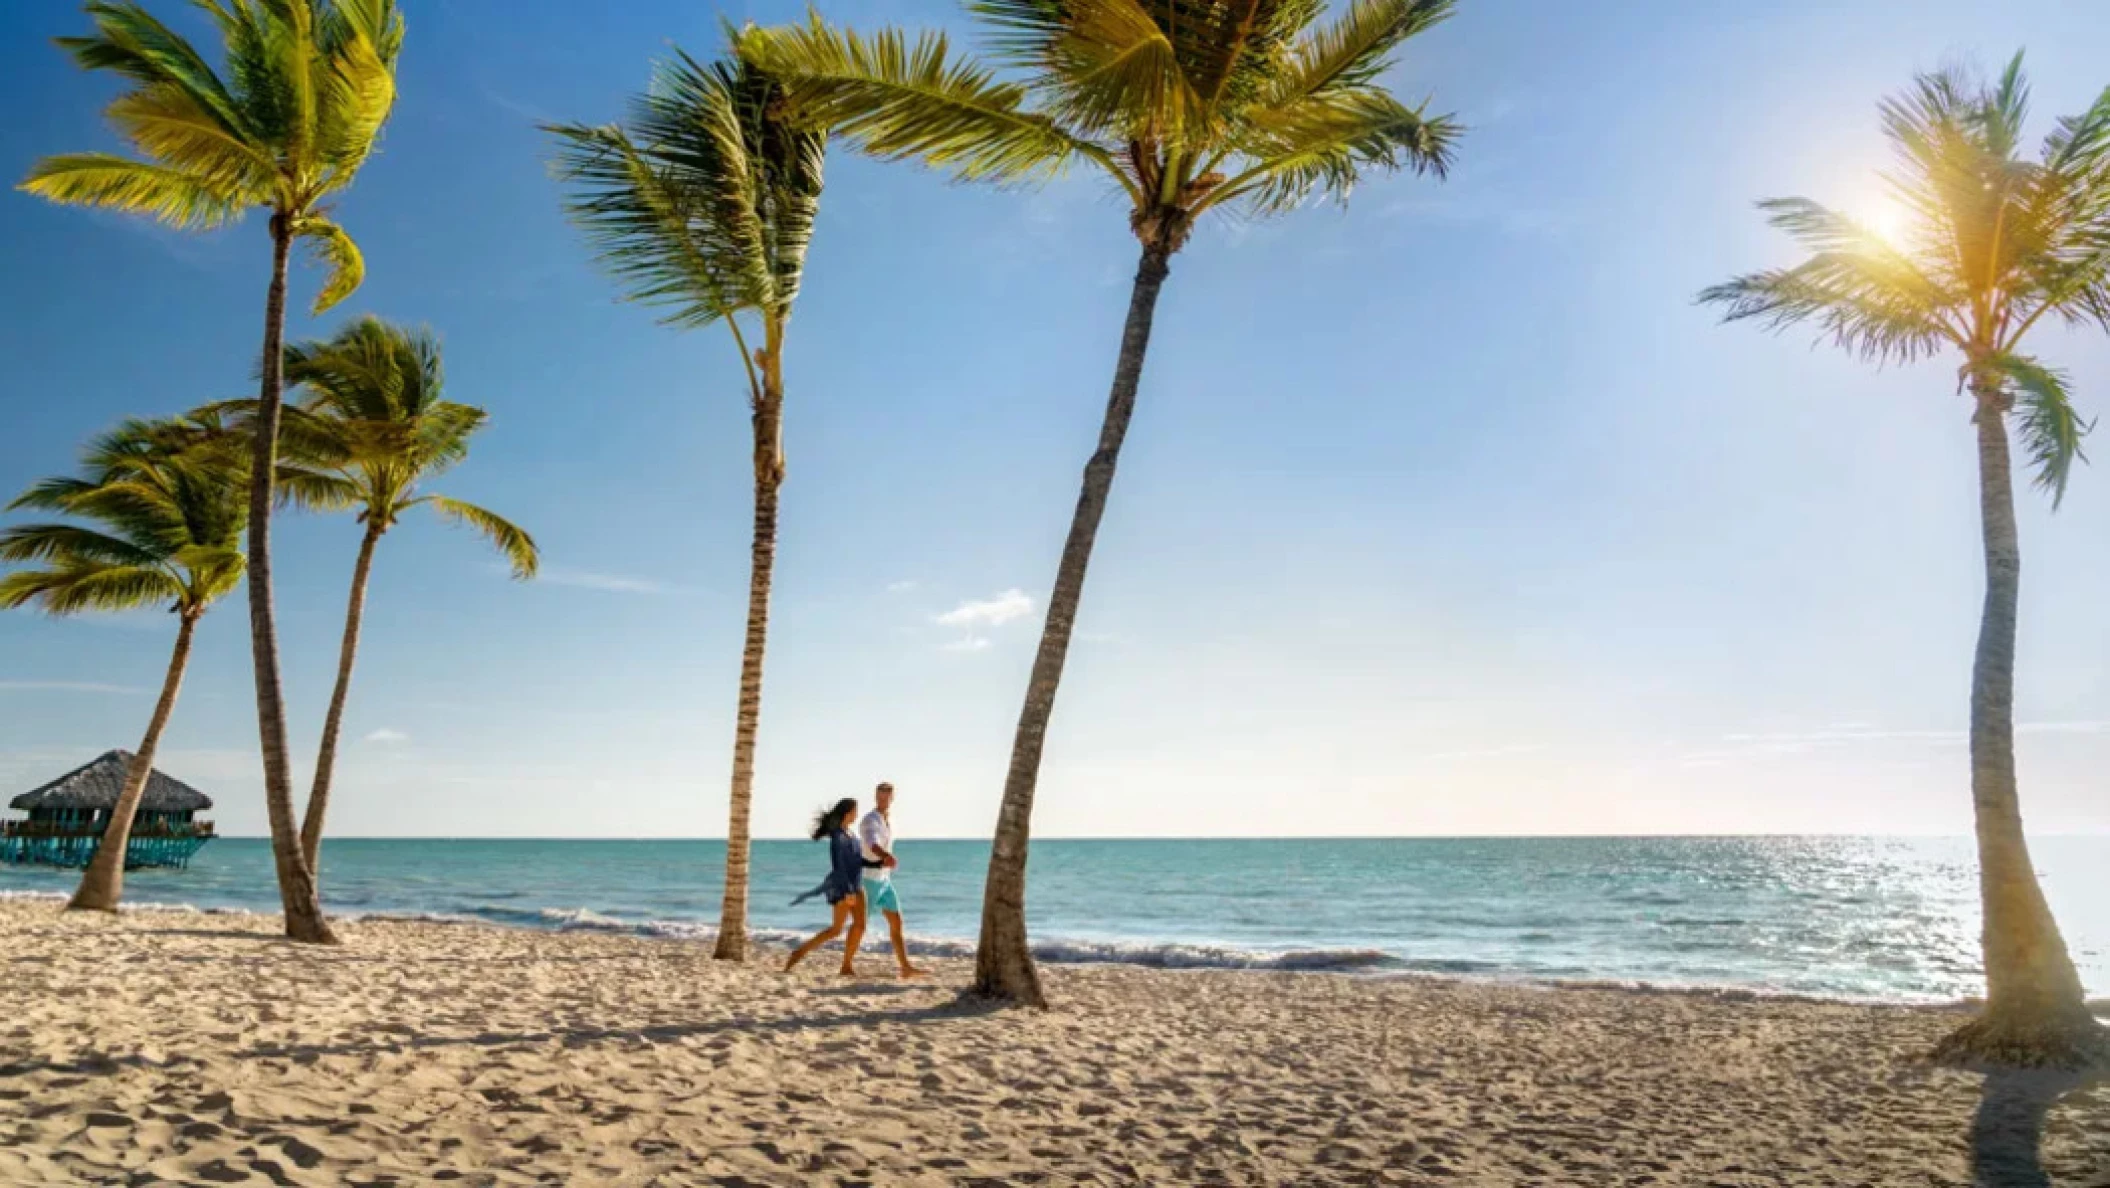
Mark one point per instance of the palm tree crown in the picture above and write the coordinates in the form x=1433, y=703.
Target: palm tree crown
x=1186, y=105
x=704, y=204
x=171, y=502
x=1996, y=242
x=375, y=425
x=306, y=89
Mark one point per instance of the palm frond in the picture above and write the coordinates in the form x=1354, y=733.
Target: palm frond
x=334, y=250
x=1322, y=145
x=51, y=494
x=359, y=40
x=130, y=42
x=66, y=590
x=1355, y=51
x=109, y=182
x=169, y=125
x=316, y=490
x=1103, y=67
x=70, y=542
x=517, y=546
x=896, y=99
x=2050, y=429
x=646, y=232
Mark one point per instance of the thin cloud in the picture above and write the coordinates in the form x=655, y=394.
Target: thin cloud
x=971, y=643
x=67, y=687
x=387, y=737
x=611, y=583
x=900, y=587
x=1746, y=746
x=988, y=612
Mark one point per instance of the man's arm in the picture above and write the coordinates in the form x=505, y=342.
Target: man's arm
x=866, y=833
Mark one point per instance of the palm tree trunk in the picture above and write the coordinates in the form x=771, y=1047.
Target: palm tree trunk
x=326, y=757
x=1003, y=962
x=296, y=882
x=769, y=476
x=104, y=883
x=2035, y=1012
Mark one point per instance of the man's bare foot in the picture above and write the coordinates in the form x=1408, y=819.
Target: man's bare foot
x=846, y=972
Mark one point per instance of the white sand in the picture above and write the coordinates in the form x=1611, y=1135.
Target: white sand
x=198, y=1049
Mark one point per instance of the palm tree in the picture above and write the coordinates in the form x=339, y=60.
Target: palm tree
x=306, y=89
x=375, y=426
x=1997, y=243
x=1187, y=106
x=704, y=207
x=170, y=501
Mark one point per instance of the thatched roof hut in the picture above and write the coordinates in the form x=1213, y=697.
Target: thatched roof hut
x=68, y=816
x=96, y=784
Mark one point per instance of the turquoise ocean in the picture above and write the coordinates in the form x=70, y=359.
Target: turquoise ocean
x=1862, y=918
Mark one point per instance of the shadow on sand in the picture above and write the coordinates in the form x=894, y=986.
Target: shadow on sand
x=2007, y=1133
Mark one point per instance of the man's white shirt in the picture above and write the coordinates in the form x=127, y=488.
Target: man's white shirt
x=876, y=835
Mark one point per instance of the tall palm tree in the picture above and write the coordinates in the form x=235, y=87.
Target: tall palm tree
x=1997, y=243
x=1186, y=106
x=704, y=206
x=169, y=500
x=374, y=427
x=306, y=88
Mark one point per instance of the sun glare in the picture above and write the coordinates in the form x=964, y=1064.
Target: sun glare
x=1887, y=219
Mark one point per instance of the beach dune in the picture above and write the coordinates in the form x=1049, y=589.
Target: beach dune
x=196, y=1048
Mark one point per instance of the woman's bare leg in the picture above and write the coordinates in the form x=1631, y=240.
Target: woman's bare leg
x=856, y=904
x=835, y=927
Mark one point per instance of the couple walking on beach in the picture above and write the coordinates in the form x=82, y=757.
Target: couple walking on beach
x=860, y=877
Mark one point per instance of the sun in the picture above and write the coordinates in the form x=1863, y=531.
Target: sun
x=1887, y=220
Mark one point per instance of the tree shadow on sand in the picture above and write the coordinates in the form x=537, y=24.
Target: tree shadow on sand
x=2007, y=1133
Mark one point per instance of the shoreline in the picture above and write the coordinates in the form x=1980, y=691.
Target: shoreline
x=928, y=947
x=203, y=1047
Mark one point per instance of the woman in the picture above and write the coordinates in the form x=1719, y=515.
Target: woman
x=844, y=886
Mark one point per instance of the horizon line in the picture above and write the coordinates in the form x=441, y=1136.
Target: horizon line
x=1209, y=838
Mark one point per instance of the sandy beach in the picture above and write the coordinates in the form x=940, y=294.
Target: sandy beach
x=196, y=1048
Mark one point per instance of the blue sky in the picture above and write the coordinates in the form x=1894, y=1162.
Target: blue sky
x=1449, y=513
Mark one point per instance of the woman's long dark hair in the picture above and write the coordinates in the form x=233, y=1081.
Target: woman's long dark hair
x=829, y=820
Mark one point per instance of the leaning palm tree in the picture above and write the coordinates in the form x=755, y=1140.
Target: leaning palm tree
x=704, y=206
x=374, y=427
x=1186, y=107
x=168, y=500
x=1998, y=242
x=306, y=88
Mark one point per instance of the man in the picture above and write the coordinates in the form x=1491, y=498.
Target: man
x=876, y=831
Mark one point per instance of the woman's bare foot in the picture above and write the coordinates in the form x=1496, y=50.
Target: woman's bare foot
x=910, y=971
x=847, y=972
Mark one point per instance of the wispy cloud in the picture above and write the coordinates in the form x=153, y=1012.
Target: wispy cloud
x=527, y=112
x=1483, y=752
x=67, y=687
x=1509, y=218
x=988, y=612
x=1747, y=746
x=969, y=643
x=387, y=737
x=612, y=583
x=901, y=587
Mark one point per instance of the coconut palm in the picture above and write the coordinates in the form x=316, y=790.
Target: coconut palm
x=306, y=88
x=703, y=205
x=373, y=428
x=168, y=501
x=1186, y=107
x=1997, y=244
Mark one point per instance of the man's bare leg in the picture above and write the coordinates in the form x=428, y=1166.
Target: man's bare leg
x=893, y=927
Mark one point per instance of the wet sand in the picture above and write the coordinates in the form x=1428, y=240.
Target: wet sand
x=197, y=1048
